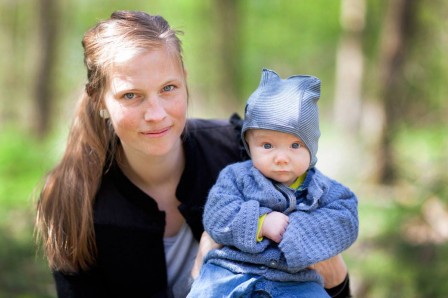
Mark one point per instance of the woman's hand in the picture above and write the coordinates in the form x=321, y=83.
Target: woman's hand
x=332, y=270
x=205, y=245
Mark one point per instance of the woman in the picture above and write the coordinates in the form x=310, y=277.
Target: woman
x=120, y=215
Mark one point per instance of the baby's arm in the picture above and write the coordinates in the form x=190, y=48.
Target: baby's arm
x=317, y=235
x=229, y=218
x=274, y=225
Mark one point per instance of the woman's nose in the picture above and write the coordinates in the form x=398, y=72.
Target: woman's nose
x=154, y=110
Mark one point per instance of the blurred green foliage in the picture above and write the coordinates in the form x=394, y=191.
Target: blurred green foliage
x=23, y=163
x=403, y=238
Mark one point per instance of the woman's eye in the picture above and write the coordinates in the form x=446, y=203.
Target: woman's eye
x=129, y=96
x=296, y=145
x=267, y=146
x=168, y=88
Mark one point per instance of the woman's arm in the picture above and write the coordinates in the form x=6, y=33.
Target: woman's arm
x=335, y=275
x=332, y=270
x=206, y=244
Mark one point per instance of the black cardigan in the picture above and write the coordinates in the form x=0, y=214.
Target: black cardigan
x=129, y=227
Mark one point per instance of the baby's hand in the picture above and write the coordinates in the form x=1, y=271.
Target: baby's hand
x=274, y=225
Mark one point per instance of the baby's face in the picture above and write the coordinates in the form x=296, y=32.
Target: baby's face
x=280, y=156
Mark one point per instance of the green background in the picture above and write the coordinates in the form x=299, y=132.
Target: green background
x=402, y=247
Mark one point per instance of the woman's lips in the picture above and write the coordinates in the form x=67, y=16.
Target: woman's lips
x=156, y=132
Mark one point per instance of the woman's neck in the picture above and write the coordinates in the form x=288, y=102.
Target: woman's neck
x=154, y=172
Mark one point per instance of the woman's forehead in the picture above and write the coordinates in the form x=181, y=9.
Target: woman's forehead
x=156, y=66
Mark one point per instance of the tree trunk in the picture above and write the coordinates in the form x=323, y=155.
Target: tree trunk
x=44, y=85
x=395, y=37
x=349, y=67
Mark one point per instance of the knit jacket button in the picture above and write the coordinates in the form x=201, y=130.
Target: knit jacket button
x=273, y=263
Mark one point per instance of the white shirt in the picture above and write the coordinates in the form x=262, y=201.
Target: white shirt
x=180, y=253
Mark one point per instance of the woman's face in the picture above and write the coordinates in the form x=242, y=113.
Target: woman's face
x=146, y=98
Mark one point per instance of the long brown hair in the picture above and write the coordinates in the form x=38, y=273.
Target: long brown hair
x=64, y=221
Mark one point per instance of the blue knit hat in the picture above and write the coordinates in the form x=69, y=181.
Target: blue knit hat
x=288, y=106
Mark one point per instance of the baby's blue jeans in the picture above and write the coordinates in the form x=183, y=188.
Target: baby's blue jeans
x=217, y=282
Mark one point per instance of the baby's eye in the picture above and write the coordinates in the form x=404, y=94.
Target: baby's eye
x=267, y=146
x=168, y=88
x=129, y=95
x=296, y=145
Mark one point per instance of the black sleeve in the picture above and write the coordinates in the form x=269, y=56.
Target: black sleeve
x=90, y=285
x=77, y=285
x=237, y=124
x=342, y=290
x=129, y=264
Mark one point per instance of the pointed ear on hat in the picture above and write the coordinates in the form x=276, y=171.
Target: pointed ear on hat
x=268, y=75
